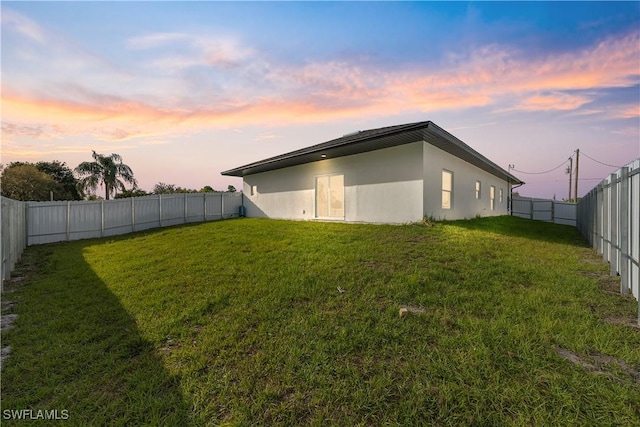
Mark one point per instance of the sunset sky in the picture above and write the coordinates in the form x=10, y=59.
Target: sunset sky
x=185, y=90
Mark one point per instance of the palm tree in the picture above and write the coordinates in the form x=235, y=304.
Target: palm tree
x=105, y=170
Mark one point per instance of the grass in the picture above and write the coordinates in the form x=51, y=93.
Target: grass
x=241, y=323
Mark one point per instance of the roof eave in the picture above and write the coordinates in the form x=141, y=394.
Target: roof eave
x=368, y=142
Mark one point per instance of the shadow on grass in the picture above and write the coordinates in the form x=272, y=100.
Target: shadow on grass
x=525, y=228
x=75, y=348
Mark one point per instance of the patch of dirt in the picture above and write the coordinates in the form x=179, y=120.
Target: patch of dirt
x=30, y=266
x=593, y=260
x=630, y=321
x=602, y=364
x=415, y=309
x=4, y=353
x=375, y=265
x=609, y=284
x=169, y=346
x=7, y=321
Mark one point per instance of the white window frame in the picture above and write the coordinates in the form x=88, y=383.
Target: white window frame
x=492, y=197
x=448, y=192
x=478, y=190
x=501, y=196
x=329, y=193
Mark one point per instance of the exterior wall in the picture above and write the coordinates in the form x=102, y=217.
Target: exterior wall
x=383, y=186
x=464, y=203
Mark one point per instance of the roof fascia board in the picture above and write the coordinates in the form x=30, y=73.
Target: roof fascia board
x=438, y=131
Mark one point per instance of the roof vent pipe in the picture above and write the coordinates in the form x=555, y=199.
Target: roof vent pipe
x=352, y=133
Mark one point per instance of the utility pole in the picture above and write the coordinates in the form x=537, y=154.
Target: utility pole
x=510, y=188
x=570, y=172
x=575, y=188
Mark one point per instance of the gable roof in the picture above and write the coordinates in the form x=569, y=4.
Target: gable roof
x=376, y=139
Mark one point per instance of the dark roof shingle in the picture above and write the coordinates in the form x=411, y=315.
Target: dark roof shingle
x=375, y=139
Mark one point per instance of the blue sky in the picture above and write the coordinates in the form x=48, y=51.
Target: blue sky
x=184, y=90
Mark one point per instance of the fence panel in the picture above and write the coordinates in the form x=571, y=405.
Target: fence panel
x=634, y=232
x=196, y=207
x=49, y=222
x=146, y=212
x=13, y=235
x=85, y=220
x=117, y=217
x=609, y=219
x=214, y=207
x=232, y=202
x=173, y=211
x=544, y=210
x=46, y=222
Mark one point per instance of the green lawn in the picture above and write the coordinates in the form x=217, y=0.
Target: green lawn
x=240, y=322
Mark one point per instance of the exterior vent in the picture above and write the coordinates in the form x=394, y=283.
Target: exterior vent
x=352, y=133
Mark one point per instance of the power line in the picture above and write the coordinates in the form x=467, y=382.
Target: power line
x=540, y=173
x=597, y=161
x=562, y=180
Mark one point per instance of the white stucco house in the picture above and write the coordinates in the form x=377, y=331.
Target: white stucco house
x=395, y=174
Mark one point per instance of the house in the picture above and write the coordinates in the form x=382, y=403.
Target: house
x=395, y=174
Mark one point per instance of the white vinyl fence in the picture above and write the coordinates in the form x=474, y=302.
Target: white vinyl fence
x=59, y=221
x=544, y=210
x=13, y=235
x=609, y=218
x=31, y=223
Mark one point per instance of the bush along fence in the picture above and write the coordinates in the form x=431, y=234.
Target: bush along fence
x=544, y=210
x=30, y=223
x=609, y=219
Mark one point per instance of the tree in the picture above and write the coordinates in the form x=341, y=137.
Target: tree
x=136, y=192
x=67, y=188
x=22, y=181
x=231, y=189
x=207, y=189
x=64, y=176
x=105, y=170
x=162, y=188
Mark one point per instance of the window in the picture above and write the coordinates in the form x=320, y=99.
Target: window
x=447, y=189
x=254, y=190
x=330, y=196
x=501, y=196
x=478, y=184
x=492, y=197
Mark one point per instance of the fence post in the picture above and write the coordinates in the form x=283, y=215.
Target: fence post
x=606, y=223
x=159, y=210
x=101, y=218
x=185, y=207
x=68, y=221
x=624, y=230
x=531, y=208
x=26, y=224
x=133, y=214
x=615, y=246
x=4, y=267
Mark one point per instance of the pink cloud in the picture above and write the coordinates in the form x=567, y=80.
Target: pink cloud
x=556, y=101
x=320, y=91
x=629, y=111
